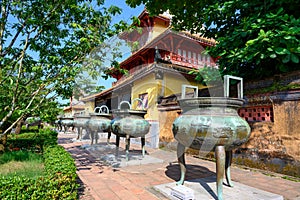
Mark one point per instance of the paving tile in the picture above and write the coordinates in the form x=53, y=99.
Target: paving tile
x=135, y=182
x=107, y=195
x=148, y=196
x=126, y=195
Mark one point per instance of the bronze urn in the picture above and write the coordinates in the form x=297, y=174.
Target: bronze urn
x=100, y=121
x=129, y=123
x=81, y=122
x=211, y=124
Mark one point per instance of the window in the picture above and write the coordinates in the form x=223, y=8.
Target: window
x=189, y=56
x=144, y=98
x=179, y=54
x=184, y=55
x=208, y=60
x=194, y=58
x=199, y=58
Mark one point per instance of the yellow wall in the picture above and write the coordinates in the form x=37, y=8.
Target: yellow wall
x=89, y=106
x=147, y=85
x=173, y=84
x=158, y=29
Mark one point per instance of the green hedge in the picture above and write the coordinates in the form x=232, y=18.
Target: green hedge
x=59, y=181
x=32, y=141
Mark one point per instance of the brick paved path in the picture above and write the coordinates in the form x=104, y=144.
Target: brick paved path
x=103, y=182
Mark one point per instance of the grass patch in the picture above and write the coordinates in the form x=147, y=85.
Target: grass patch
x=21, y=163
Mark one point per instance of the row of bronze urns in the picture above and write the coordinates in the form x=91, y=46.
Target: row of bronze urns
x=123, y=122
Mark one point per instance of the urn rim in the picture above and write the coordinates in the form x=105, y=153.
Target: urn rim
x=211, y=101
x=100, y=114
x=129, y=111
x=64, y=118
x=82, y=116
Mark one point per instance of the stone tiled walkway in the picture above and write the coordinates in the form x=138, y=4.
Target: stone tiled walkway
x=104, y=182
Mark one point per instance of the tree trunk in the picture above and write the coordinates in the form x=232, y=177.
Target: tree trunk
x=18, y=127
x=3, y=140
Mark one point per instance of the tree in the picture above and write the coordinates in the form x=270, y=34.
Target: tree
x=255, y=39
x=43, y=46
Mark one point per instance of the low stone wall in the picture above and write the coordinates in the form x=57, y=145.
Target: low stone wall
x=166, y=119
x=279, y=139
x=264, y=141
x=276, y=135
x=287, y=126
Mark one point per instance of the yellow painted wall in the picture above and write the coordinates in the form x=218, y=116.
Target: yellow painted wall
x=147, y=85
x=89, y=106
x=173, y=84
x=158, y=29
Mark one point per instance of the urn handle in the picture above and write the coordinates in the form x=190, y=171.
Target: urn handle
x=130, y=105
x=102, y=109
x=227, y=85
x=141, y=101
x=122, y=102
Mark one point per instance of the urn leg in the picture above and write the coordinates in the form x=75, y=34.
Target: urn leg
x=127, y=146
x=117, y=145
x=96, y=137
x=220, y=165
x=228, y=161
x=143, y=145
x=81, y=133
x=117, y=141
x=78, y=133
x=92, y=136
x=108, y=137
x=181, y=161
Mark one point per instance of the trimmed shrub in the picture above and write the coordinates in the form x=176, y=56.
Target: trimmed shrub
x=58, y=182
x=32, y=141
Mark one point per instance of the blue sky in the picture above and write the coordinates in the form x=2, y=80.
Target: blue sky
x=127, y=13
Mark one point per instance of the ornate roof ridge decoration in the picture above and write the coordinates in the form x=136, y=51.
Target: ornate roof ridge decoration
x=198, y=37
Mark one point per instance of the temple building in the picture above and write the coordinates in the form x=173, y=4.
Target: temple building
x=159, y=66
x=159, y=73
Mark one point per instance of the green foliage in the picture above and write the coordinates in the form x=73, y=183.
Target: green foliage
x=29, y=169
x=32, y=141
x=19, y=156
x=255, y=39
x=48, y=111
x=207, y=75
x=21, y=163
x=43, y=46
x=58, y=181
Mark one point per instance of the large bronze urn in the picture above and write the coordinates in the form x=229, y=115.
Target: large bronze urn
x=100, y=121
x=57, y=123
x=67, y=122
x=129, y=123
x=210, y=124
x=81, y=122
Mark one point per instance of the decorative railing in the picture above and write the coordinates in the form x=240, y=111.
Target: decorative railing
x=191, y=62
